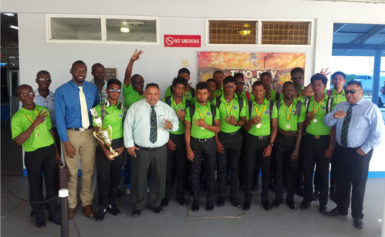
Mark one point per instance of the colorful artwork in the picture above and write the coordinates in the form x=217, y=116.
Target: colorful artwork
x=251, y=64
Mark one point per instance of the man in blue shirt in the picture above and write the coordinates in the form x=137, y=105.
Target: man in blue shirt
x=73, y=101
x=358, y=131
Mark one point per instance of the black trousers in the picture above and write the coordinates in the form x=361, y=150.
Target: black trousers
x=148, y=160
x=228, y=163
x=285, y=166
x=57, y=139
x=207, y=151
x=109, y=173
x=254, y=155
x=42, y=160
x=351, y=174
x=314, y=150
x=176, y=166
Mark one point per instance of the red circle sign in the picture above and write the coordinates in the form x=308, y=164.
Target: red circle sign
x=169, y=40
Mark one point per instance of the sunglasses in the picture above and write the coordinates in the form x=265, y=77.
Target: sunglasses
x=26, y=94
x=240, y=82
x=112, y=90
x=44, y=79
x=351, y=91
x=300, y=77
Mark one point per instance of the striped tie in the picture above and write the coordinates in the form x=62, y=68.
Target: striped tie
x=153, y=130
x=345, y=127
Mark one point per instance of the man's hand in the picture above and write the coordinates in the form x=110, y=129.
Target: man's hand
x=294, y=155
x=267, y=151
x=325, y=71
x=108, y=154
x=136, y=55
x=190, y=154
x=255, y=120
x=131, y=151
x=58, y=158
x=181, y=113
x=200, y=123
x=171, y=145
x=119, y=150
x=220, y=148
x=310, y=115
x=231, y=120
x=328, y=153
x=360, y=152
x=339, y=114
x=69, y=149
x=167, y=124
x=40, y=118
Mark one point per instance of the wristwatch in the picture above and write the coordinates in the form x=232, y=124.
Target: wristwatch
x=271, y=144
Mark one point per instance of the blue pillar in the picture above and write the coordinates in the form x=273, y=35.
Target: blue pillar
x=376, y=75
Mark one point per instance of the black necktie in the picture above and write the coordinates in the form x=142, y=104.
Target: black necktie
x=345, y=127
x=153, y=130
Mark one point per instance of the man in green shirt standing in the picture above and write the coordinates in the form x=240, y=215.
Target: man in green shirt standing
x=31, y=127
x=202, y=122
x=291, y=115
x=190, y=92
x=110, y=113
x=176, y=152
x=218, y=77
x=267, y=81
x=232, y=111
x=318, y=143
x=262, y=131
x=133, y=86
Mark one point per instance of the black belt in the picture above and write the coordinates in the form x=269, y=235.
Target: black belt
x=79, y=129
x=260, y=137
x=230, y=133
x=203, y=139
x=316, y=137
x=148, y=148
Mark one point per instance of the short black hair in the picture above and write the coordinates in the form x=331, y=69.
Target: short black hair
x=136, y=76
x=114, y=81
x=229, y=79
x=184, y=70
x=152, y=85
x=201, y=86
x=96, y=65
x=210, y=80
x=263, y=74
x=77, y=63
x=23, y=86
x=179, y=80
x=295, y=70
x=354, y=82
x=42, y=72
x=319, y=77
x=339, y=73
x=218, y=71
x=257, y=83
x=288, y=83
x=238, y=74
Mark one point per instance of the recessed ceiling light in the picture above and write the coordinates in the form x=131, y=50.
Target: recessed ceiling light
x=9, y=14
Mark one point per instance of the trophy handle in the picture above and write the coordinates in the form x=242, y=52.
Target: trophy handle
x=94, y=133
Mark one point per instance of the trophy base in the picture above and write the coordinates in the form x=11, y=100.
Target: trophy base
x=115, y=154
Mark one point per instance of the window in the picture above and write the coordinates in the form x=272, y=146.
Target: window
x=232, y=32
x=102, y=29
x=286, y=33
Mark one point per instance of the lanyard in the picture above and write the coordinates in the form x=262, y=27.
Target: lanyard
x=203, y=117
x=227, y=109
x=335, y=98
x=319, y=106
x=256, y=111
x=30, y=117
x=288, y=115
x=178, y=107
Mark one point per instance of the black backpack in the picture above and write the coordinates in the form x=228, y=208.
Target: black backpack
x=167, y=100
x=329, y=104
x=240, y=103
x=212, y=107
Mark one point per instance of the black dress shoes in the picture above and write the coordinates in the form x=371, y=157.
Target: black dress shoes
x=266, y=205
x=277, y=202
x=209, y=205
x=113, y=209
x=195, y=205
x=100, y=214
x=158, y=210
x=322, y=209
x=182, y=201
x=336, y=212
x=165, y=201
x=291, y=204
x=136, y=213
x=246, y=205
x=357, y=223
x=220, y=201
x=304, y=205
x=235, y=202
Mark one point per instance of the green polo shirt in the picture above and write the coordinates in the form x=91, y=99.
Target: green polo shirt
x=265, y=128
x=40, y=136
x=317, y=126
x=337, y=98
x=205, y=112
x=113, y=118
x=288, y=116
x=176, y=108
x=227, y=109
x=187, y=94
x=244, y=96
x=218, y=92
x=130, y=95
x=271, y=95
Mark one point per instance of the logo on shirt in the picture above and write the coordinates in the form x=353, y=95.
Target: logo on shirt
x=235, y=107
x=208, y=113
x=120, y=115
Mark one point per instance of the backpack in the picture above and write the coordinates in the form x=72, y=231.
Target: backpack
x=167, y=100
x=103, y=111
x=329, y=104
x=212, y=107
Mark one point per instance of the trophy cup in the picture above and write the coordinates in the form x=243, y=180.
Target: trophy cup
x=103, y=135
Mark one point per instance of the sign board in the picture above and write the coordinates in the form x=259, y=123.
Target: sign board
x=182, y=41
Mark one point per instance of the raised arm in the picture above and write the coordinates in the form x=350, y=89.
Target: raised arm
x=134, y=57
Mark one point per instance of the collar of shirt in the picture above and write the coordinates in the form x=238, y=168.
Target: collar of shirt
x=49, y=96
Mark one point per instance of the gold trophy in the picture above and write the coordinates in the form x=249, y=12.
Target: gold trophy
x=103, y=135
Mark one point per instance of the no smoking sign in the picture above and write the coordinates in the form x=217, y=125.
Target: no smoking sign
x=182, y=41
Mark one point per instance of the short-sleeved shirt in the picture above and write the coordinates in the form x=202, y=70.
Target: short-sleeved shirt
x=337, y=98
x=289, y=117
x=102, y=93
x=264, y=129
x=187, y=94
x=270, y=95
x=176, y=107
x=40, y=136
x=130, y=95
x=233, y=108
x=48, y=102
x=218, y=92
x=317, y=126
x=113, y=117
x=204, y=112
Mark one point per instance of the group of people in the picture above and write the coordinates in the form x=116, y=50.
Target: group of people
x=216, y=137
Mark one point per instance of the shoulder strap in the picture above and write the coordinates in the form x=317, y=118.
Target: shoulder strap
x=307, y=102
x=271, y=104
x=168, y=100
x=192, y=112
x=329, y=104
x=278, y=104
x=250, y=108
x=298, y=108
x=188, y=103
x=218, y=102
x=277, y=95
x=240, y=103
x=213, y=112
x=102, y=110
x=192, y=91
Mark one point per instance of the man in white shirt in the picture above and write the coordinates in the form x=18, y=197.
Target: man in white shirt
x=146, y=133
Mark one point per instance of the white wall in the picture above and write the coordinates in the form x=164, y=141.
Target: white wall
x=159, y=64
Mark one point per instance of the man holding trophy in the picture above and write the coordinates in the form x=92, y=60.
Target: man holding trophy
x=107, y=120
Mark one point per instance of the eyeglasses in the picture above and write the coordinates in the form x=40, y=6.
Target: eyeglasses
x=112, y=90
x=26, y=94
x=229, y=86
x=44, y=79
x=240, y=82
x=299, y=77
x=351, y=91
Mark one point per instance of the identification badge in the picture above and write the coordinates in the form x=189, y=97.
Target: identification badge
x=288, y=126
x=202, y=128
x=315, y=120
x=258, y=125
x=37, y=134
